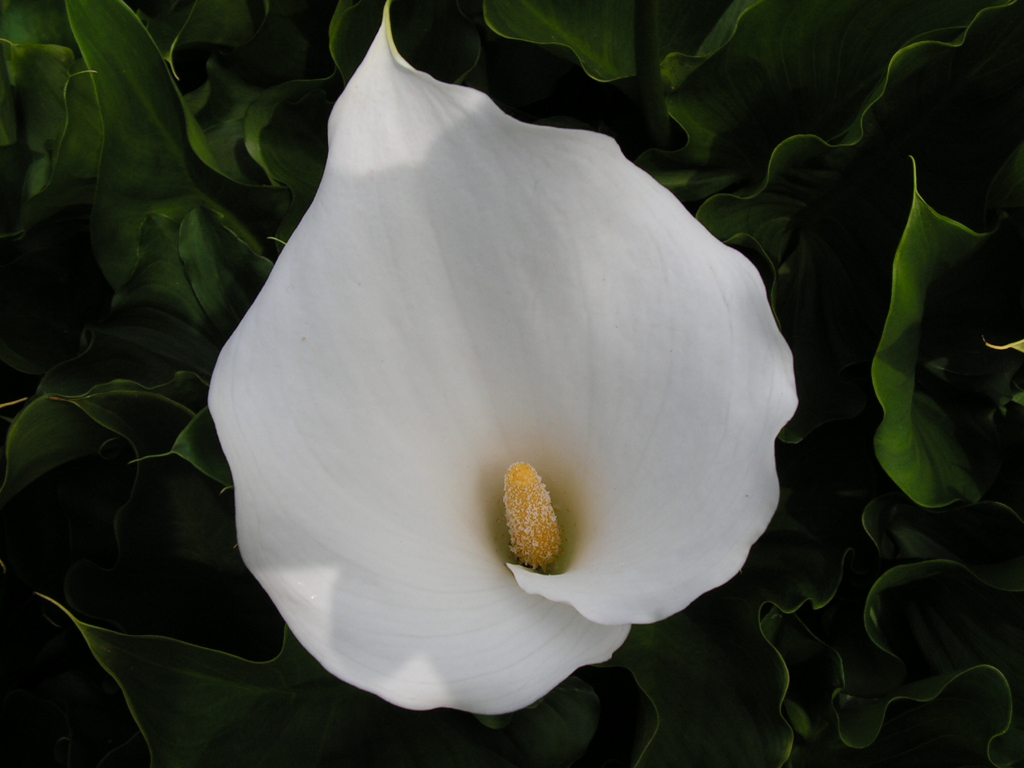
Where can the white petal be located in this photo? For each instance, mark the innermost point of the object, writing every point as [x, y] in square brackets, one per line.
[467, 291]
[676, 500]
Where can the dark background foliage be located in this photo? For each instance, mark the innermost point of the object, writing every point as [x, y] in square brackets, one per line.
[867, 155]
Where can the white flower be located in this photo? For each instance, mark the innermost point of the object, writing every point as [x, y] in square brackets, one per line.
[467, 292]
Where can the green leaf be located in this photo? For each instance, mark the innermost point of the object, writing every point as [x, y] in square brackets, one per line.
[960, 607]
[149, 421]
[946, 721]
[40, 72]
[46, 433]
[36, 21]
[695, 31]
[518, 73]
[553, 732]
[950, 713]
[825, 482]
[178, 571]
[936, 442]
[987, 537]
[949, 103]
[156, 329]
[223, 272]
[220, 106]
[831, 230]
[601, 35]
[436, 38]
[286, 133]
[50, 446]
[34, 77]
[49, 290]
[715, 682]
[57, 129]
[74, 161]
[155, 158]
[1007, 190]
[198, 445]
[207, 23]
[8, 120]
[31, 728]
[815, 675]
[198, 707]
[131, 754]
[290, 44]
[34, 114]
[831, 216]
[795, 67]
[941, 619]
[63, 709]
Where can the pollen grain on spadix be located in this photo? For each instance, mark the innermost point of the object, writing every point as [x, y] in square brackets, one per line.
[535, 538]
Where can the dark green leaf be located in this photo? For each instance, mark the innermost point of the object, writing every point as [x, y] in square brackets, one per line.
[178, 571]
[937, 442]
[826, 480]
[198, 707]
[709, 669]
[716, 683]
[831, 217]
[940, 619]
[39, 73]
[290, 44]
[47, 433]
[36, 21]
[946, 721]
[65, 709]
[792, 67]
[31, 728]
[33, 77]
[73, 164]
[518, 73]
[198, 445]
[48, 291]
[157, 327]
[815, 675]
[599, 33]
[8, 120]
[987, 537]
[220, 106]
[207, 23]
[1007, 190]
[834, 232]
[224, 273]
[50, 108]
[286, 133]
[132, 754]
[436, 38]
[155, 158]
[149, 421]
[553, 732]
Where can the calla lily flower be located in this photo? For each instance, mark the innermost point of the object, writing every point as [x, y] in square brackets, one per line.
[467, 293]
